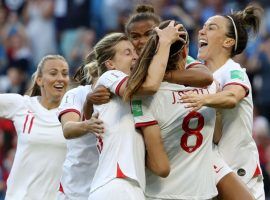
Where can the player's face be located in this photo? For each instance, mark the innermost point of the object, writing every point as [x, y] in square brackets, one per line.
[54, 79]
[140, 32]
[125, 57]
[212, 38]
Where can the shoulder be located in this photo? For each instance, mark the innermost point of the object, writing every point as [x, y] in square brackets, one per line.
[79, 90]
[111, 78]
[232, 65]
[113, 74]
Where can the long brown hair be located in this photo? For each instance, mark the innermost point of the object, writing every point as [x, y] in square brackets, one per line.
[239, 24]
[94, 64]
[139, 72]
[34, 89]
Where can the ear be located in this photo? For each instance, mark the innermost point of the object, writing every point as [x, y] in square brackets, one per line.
[109, 64]
[39, 82]
[228, 42]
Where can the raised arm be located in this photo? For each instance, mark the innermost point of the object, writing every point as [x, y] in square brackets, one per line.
[196, 76]
[158, 64]
[153, 67]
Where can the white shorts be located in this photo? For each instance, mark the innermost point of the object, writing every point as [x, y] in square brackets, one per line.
[118, 189]
[71, 196]
[220, 167]
[256, 187]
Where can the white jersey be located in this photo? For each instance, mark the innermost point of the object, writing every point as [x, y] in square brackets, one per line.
[122, 152]
[187, 138]
[41, 148]
[236, 145]
[82, 155]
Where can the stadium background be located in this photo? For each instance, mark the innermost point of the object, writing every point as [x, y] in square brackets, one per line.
[30, 29]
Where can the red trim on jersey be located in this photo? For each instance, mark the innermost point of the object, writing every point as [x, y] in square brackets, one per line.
[31, 124]
[61, 188]
[257, 171]
[236, 83]
[142, 124]
[119, 85]
[24, 125]
[66, 111]
[119, 173]
[192, 64]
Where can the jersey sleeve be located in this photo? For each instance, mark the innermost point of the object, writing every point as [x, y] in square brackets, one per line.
[142, 111]
[112, 79]
[236, 76]
[10, 104]
[191, 62]
[71, 102]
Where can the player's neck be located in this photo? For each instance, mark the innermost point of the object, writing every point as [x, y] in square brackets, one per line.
[48, 104]
[215, 63]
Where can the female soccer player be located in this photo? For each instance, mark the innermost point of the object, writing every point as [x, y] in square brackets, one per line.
[82, 155]
[120, 173]
[187, 136]
[41, 147]
[221, 38]
[139, 28]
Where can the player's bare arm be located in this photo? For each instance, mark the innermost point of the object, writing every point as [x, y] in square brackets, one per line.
[158, 64]
[100, 95]
[156, 157]
[197, 76]
[73, 127]
[227, 98]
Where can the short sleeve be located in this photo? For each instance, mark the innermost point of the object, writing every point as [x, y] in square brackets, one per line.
[10, 104]
[112, 79]
[191, 62]
[71, 102]
[142, 111]
[236, 76]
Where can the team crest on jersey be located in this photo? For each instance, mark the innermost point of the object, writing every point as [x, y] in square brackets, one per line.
[136, 106]
[237, 74]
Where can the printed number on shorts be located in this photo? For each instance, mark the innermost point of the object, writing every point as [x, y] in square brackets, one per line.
[192, 132]
[28, 123]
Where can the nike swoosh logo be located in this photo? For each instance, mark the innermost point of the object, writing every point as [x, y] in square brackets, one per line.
[218, 170]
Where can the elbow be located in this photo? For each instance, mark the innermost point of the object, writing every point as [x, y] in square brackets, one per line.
[208, 80]
[150, 89]
[163, 171]
[232, 102]
[67, 135]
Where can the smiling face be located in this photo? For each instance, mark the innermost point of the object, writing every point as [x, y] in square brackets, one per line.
[213, 40]
[140, 32]
[125, 57]
[53, 80]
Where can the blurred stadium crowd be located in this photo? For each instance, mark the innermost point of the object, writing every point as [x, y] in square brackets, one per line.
[30, 29]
